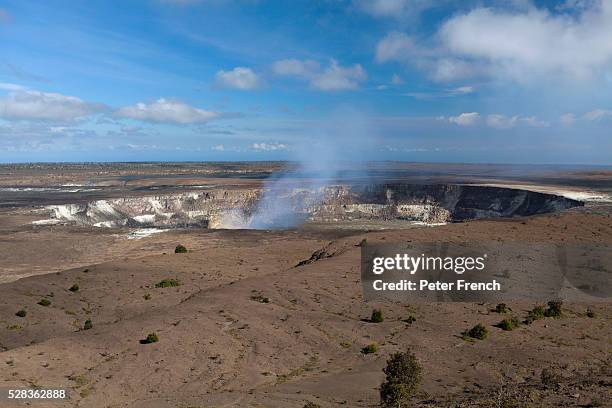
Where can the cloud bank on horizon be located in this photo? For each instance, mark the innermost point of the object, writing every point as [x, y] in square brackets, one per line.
[515, 82]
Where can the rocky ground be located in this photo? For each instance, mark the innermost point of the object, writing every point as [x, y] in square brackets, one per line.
[277, 319]
[247, 327]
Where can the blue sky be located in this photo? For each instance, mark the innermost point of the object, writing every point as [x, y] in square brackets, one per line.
[415, 80]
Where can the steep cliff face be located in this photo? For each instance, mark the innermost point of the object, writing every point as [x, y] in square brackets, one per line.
[435, 203]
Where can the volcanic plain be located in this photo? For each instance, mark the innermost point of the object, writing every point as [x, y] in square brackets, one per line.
[276, 317]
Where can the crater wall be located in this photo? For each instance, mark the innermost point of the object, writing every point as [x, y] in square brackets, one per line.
[216, 208]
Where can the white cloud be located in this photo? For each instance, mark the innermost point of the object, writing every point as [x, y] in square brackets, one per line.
[295, 67]
[533, 121]
[268, 147]
[519, 43]
[598, 114]
[166, 111]
[238, 78]
[465, 119]
[218, 148]
[395, 46]
[11, 87]
[35, 105]
[567, 119]
[533, 41]
[462, 90]
[444, 93]
[337, 78]
[333, 78]
[498, 121]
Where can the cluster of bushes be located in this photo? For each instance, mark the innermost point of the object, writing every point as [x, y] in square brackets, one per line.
[539, 312]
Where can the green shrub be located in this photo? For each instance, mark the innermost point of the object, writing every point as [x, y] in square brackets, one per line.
[509, 324]
[591, 313]
[536, 313]
[167, 283]
[180, 249]
[88, 325]
[478, 332]
[151, 338]
[85, 270]
[370, 348]
[501, 308]
[377, 316]
[147, 296]
[554, 308]
[21, 313]
[310, 404]
[403, 375]
[74, 288]
[44, 302]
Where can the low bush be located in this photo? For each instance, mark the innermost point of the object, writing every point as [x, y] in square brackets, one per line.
[508, 324]
[377, 316]
[369, 349]
[44, 302]
[554, 309]
[501, 308]
[74, 288]
[151, 338]
[167, 283]
[88, 325]
[403, 375]
[21, 313]
[310, 404]
[180, 249]
[536, 313]
[591, 313]
[478, 332]
[147, 296]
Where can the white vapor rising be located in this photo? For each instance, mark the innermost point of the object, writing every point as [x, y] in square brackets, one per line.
[344, 139]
